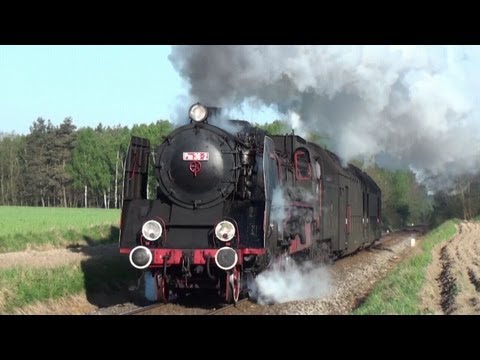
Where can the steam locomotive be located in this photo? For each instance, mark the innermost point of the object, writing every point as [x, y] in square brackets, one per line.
[230, 203]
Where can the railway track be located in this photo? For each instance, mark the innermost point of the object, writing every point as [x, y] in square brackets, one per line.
[200, 306]
[144, 310]
[156, 309]
[226, 307]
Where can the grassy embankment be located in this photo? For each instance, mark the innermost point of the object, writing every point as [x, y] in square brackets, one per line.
[40, 228]
[20, 286]
[398, 292]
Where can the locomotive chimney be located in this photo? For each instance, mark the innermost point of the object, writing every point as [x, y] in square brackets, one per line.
[214, 111]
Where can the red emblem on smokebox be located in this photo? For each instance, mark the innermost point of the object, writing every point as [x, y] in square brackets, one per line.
[195, 167]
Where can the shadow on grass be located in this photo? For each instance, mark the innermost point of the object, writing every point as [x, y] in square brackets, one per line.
[108, 275]
[111, 238]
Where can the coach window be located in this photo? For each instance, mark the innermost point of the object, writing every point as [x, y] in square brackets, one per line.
[303, 170]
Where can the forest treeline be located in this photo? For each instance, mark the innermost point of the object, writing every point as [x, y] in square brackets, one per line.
[83, 167]
[65, 166]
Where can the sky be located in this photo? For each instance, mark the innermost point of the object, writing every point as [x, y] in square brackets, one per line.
[113, 85]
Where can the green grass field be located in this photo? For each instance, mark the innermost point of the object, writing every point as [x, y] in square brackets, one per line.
[399, 292]
[35, 227]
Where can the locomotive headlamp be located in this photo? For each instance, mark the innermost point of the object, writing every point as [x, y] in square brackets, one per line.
[225, 231]
[152, 230]
[140, 257]
[198, 112]
[226, 258]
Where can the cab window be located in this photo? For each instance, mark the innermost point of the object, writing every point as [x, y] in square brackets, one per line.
[303, 170]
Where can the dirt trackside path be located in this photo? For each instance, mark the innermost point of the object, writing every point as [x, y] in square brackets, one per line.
[453, 278]
[56, 257]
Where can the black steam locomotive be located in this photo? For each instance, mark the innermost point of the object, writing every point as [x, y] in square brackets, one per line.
[229, 203]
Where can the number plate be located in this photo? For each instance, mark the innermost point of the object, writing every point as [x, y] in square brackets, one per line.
[195, 156]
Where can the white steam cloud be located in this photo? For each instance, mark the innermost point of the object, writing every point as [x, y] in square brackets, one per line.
[403, 106]
[288, 281]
